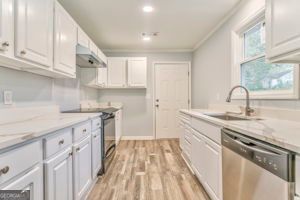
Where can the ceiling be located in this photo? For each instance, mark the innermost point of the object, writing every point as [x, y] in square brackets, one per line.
[119, 24]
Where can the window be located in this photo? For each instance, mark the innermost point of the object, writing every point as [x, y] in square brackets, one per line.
[250, 68]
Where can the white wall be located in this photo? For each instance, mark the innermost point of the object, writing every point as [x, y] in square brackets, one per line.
[31, 90]
[211, 65]
[138, 103]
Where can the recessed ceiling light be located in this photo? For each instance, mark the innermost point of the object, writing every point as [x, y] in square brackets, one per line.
[146, 38]
[148, 9]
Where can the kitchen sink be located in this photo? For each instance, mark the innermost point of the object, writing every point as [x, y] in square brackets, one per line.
[227, 117]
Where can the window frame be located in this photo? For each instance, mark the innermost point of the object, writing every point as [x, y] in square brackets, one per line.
[237, 46]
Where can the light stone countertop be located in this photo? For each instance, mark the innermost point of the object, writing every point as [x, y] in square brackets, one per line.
[282, 133]
[22, 130]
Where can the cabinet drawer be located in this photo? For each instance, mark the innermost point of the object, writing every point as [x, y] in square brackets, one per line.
[209, 130]
[82, 130]
[188, 133]
[185, 118]
[96, 123]
[57, 142]
[19, 160]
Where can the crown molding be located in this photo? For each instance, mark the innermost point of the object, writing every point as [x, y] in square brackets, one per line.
[218, 26]
[147, 50]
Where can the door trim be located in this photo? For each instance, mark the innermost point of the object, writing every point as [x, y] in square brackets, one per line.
[154, 88]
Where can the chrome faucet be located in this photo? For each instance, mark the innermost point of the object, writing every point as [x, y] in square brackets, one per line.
[248, 110]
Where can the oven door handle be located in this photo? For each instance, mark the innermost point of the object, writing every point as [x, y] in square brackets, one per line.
[110, 149]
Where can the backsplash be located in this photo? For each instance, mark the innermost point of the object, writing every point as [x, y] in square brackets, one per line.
[34, 90]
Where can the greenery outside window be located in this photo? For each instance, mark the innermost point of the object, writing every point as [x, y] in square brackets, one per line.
[250, 68]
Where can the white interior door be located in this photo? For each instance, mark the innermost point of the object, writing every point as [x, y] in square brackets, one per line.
[171, 94]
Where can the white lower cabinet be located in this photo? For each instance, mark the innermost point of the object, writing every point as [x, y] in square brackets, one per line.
[82, 167]
[118, 126]
[31, 180]
[58, 176]
[206, 162]
[96, 152]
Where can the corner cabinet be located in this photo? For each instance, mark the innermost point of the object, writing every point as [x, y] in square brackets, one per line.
[137, 72]
[283, 31]
[65, 31]
[6, 28]
[116, 72]
[34, 31]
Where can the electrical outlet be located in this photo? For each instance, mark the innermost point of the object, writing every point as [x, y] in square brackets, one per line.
[8, 97]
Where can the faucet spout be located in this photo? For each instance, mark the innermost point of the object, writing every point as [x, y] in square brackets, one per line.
[248, 110]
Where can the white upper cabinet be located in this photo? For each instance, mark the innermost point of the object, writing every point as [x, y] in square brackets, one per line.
[137, 72]
[34, 31]
[102, 77]
[283, 31]
[82, 38]
[6, 27]
[65, 41]
[116, 72]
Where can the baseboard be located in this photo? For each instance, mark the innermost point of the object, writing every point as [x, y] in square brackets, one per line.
[137, 137]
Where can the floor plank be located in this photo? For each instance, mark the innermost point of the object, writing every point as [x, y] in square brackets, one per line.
[148, 170]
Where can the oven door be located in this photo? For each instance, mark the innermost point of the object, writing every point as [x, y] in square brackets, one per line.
[109, 134]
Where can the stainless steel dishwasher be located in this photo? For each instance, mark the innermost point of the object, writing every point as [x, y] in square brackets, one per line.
[254, 170]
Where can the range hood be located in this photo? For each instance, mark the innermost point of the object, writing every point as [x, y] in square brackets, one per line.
[85, 58]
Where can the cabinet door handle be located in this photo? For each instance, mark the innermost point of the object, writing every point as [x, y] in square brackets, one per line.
[84, 131]
[23, 52]
[61, 142]
[70, 154]
[98, 124]
[95, 136]
[5, 44]
[4, 170]
[78, 149]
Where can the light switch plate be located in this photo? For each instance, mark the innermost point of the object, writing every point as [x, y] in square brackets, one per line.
[8, 97]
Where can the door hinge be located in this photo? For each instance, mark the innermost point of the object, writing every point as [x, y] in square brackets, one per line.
[188, 73]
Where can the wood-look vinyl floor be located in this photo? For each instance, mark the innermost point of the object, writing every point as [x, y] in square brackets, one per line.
[148, 170]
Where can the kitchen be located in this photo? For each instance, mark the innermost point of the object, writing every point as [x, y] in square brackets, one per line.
[150, 99]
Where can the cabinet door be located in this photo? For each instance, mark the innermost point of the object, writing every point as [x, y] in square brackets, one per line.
[82, 38]
[118, 125]
[65, 41]
[102, 77]
[198, 156]
[32, 180]
[116, 72]
[58, 173]
[96, 152]
[213, 169]
[283, 30]
[6, 27]
[137, 72]
[34, 31]
[82, 174]
[102, 56]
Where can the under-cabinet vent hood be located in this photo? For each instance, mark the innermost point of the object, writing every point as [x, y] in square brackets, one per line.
[85, 58]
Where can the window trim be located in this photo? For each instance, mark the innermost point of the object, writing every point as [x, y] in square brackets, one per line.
[237, 53]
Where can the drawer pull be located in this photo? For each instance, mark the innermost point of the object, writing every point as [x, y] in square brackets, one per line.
[78, 149]
[61, 142]
[98, 124]
[95, 136]
[84, 130]
[4, 170]
[70, 154]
